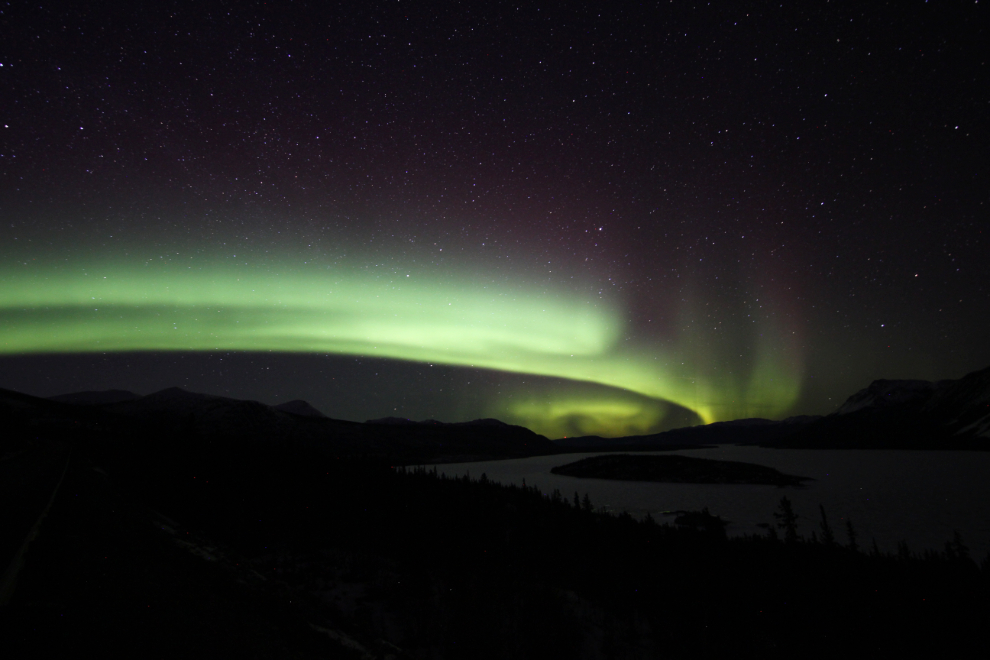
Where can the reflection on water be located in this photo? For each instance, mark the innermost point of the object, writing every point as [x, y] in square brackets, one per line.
[920, 497]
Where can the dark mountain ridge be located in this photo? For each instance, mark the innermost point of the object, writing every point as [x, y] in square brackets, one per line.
[893, 414]
[95, 397]
[299, 407]
[887, 414]
[906, 414]
[178, 412]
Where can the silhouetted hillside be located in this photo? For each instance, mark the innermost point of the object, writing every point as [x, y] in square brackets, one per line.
[95, 398]
[182, 413]
[899, 414]
[950, 414]
[169, 545]
[182, 524]
[888, 414]
[299, 407]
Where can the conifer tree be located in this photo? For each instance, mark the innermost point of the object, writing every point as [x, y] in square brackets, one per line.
[903, 552]
[851, 533]
[959, 550]
[787, 520]
[828, 537]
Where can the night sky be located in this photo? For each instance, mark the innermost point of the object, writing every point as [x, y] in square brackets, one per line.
[580, 218]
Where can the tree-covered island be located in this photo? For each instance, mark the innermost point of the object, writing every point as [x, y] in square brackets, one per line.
[676, 469]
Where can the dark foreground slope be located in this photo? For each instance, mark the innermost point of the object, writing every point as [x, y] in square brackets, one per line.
[162, 544]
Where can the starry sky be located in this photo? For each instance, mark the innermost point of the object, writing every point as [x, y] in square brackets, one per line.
[580, 218]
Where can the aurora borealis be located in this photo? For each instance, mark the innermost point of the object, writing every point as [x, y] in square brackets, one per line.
[502, 328]
[607, 221]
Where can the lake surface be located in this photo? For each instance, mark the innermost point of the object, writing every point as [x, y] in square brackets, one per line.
[917, 496]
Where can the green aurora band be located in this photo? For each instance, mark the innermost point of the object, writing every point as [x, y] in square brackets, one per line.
[416, 317]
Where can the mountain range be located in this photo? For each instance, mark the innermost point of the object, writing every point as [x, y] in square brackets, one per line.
[890, 414]
[906, 414]
[176, 412]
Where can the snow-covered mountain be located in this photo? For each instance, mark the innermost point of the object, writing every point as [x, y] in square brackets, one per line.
[948, 414]
[883, 393]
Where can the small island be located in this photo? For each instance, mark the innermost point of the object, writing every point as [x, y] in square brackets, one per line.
[676, 469]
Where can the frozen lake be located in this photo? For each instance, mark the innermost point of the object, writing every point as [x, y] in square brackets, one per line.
[917, 496]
